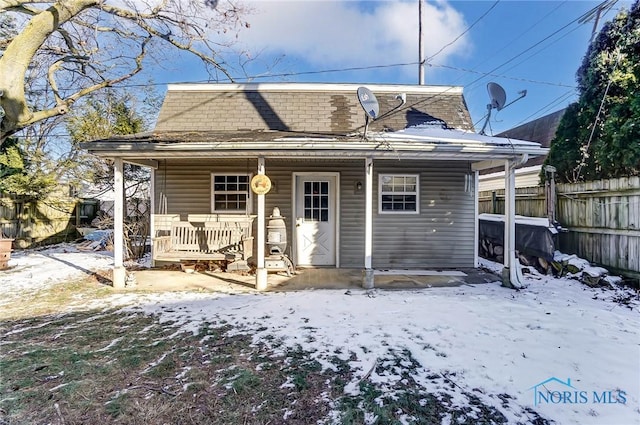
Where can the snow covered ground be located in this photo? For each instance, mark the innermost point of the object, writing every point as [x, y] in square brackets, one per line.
[33, 270]
[579, 343]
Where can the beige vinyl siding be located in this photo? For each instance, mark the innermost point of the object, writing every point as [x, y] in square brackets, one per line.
[440, 236]
[525, 177]
[186, 184]
[352, 204]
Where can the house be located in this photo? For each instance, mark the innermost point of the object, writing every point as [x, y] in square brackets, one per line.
[541, 130]
[403, 195]
[98, 198]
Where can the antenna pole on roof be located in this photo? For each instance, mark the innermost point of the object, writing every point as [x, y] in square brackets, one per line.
[420, 46]
[366, 127]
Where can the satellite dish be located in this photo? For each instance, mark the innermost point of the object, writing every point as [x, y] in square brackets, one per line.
[368, 102]
[497, 95]
[498, 99]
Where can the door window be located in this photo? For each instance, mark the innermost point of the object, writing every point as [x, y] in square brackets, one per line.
[316, 201]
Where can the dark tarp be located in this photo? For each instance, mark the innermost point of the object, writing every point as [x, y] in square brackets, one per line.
[538, 241]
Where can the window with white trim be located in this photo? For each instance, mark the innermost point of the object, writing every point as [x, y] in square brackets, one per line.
[230, 193]
[398, 193]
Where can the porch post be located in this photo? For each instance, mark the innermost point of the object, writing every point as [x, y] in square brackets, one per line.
[476, 222]
[261, 271]
[152, 212]
[368, 278]
[119, 272]
[511, 273]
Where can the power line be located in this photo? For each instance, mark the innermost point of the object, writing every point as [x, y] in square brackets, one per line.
[484, 74]
[328, 71]
[388, 66]
[513, 40]
[526, 50]
[348, 69]
[255, 77]
[564, 96]
[542, 49]
[585, 152]
[371, 67]
[464, 32]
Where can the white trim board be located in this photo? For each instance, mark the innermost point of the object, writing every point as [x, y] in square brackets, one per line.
[321, 87]
[398, 272]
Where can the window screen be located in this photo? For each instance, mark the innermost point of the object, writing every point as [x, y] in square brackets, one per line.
[230, 193]
[398, 193]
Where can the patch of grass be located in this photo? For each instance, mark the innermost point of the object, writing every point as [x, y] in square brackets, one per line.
[163, 369]
[402, 400]
[117, 406]
[75, 359]
[130, 359]
[50, 300]
[106, 367]
[244, 381]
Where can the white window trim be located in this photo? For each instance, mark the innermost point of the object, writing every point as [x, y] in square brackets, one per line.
[380, 193]
[249, 208]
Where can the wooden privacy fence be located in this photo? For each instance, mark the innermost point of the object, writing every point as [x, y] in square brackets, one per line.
[32, 222]
[602, 218]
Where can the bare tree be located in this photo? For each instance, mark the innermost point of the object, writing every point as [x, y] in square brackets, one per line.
[63, 50]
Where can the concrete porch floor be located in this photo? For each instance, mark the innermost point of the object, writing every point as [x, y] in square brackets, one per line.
[309, 278]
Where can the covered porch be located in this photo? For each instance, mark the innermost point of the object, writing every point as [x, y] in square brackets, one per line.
[367, 159]
[251, 246]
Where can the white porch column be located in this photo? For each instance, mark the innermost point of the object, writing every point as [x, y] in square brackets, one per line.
[152, 212]
[511, 275]
[368, 278]
[261, 271]
[476, 225]
[119, 272]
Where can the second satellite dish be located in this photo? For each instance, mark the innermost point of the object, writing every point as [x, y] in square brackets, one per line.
[498, 101]
[368, 102]
[497, 95]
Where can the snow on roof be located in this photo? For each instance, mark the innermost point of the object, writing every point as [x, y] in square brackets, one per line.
[436, 132]
[520, 219]
[500, 174]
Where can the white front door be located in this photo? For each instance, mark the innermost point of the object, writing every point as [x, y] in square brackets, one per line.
[316, 219]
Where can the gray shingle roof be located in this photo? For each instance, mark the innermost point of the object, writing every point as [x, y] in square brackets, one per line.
[541, 130]
[303, 108]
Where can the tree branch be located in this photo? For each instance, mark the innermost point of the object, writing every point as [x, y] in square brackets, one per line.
[48, 53]
[19, 54]
[64, 104]
[52, 82]
[27, 10]
[126, 14]
[13, 4]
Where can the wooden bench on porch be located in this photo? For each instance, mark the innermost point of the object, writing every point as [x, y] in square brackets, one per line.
[200, 239]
